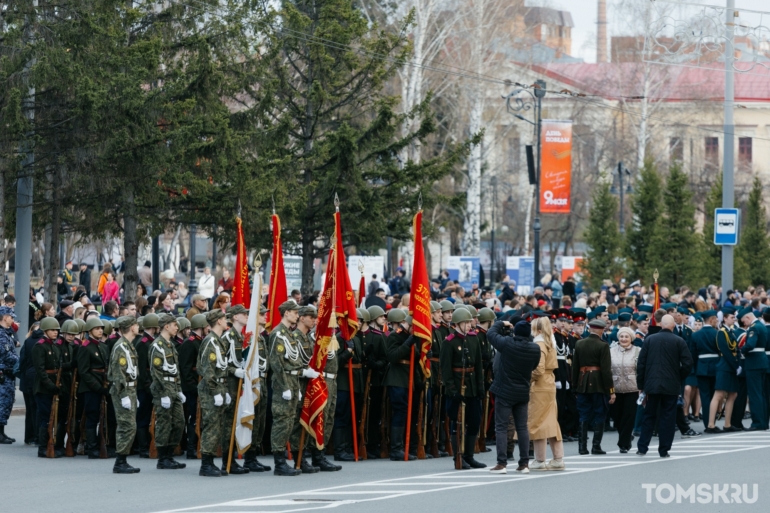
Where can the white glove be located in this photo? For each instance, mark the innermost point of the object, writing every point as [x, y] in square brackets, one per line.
[239, 373]
[310, 373]
[137, 403]
[219, 400]
[567, 383]
[738, 372]
[286, 395]
[126, 403]
[165, 402]
[228, 399]
[299, 394]
[558, 385]
[181, 397]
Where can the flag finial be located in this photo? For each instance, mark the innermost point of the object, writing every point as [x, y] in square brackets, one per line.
[272, 198]
[258, 262]
[655, 275]
[361, 266]
[336, 202]
[239, 208]
[419, 201]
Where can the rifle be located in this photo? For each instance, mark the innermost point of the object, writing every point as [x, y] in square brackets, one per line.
[434, 427]
[421, 426]
[153, 448]
[53, 420]
[362, 426]
[353, 409]
[385, 442]
[69, 450]
[461, 422]
[409, 406]
[484, 424]
[103, 426]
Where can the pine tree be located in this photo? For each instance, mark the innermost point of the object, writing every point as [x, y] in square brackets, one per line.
[646, 208]
[754, 246]
[712, 254]
[677, 249]
[602, 238]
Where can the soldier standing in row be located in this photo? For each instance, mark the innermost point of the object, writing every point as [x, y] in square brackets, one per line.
[286, 366]
[188, 373]
[377, 365]
[167, 393]
[353, 356]
[330, 374]
[705, 356]
[93, 359]
[260, 409]
[122, 374]
[436, 410]
[212, 391]
[308, 316]
[756, 366]
[233, 343]
[148, 323]
[564, 400]
[47, 362]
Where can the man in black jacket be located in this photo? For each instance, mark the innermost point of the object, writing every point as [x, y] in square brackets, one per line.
[663, 363]
[516, 358]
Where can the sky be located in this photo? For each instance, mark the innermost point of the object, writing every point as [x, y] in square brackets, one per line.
[584, 14]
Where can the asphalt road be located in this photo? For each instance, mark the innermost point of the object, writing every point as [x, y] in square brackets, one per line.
[698, 467]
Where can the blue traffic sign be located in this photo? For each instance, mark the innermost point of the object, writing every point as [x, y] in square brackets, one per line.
[726, 226]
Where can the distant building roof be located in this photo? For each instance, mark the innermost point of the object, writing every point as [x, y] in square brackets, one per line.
[547, 16]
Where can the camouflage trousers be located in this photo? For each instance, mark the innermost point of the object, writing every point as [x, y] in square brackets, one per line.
[284, 417]
[125, 429]
[213, 422]
[169, 424]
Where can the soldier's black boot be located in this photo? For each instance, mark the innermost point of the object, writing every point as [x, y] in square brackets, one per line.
[59, 445]
[166, 460]
[192, 442]
[42, 437]
[304, 466]
[470, 446]
[235, 469]
[596, 447]
[442, 443]
[341, 446]
[122, 467]
[397, 444]
[208, 469]
[252, 463]
[583, 438]
[320, 461]
[143, 442]
[92, 446]
[281, 468]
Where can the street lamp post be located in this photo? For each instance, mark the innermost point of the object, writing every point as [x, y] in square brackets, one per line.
[537, 92]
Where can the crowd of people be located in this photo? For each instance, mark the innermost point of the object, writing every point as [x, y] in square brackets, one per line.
[154, 378]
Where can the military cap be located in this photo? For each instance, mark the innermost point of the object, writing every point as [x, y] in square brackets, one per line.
[705, 314]
[183, 323]
[287, 306]
[447, 306]
[396, 315]
[435, 306]
[667, 306]
[375, 312]
[461, 315]
[646, 309]
[486, 315]
[727, 310]
[363, 314]
[94, 322]
[600, 309]
[235, 310]
[563, 314]
[553, 314]
[263, 309]
[613, 317]
[685, 311]
[742, 312]
[578, 314]
[624, 317]
[151, 321]
[308, 311]
[50, 323]
[697, 317]
[198, 321]
[626, 310]
[125, 322]
[591, 315]
[69, 327]
[597, 323]
[213, 316]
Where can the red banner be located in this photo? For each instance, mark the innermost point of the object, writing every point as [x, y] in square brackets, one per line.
[241, 291]
[555, 166]
[336, 309]
[419, 303]
[278, 293]
[361, 292]
[655, 302]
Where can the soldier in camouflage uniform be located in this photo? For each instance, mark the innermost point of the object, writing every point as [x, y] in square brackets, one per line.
[122, 374]
[167, 393]
[212, 392]
[285, 363]
[188, 361]
[233, 344]
[260, 409]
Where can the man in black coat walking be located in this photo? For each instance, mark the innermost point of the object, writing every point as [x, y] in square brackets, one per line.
[516, 358]
[663, 364]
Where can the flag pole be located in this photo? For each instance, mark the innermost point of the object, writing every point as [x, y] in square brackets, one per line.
[411, 386]
[352, 389]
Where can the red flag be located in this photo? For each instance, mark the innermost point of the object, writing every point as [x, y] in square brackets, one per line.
[241, 291]
[419, 303]
[361, 292]
[278, 293]
[336, 309]
[655, 302]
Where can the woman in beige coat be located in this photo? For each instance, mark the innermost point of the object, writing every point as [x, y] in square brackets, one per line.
[543, 423]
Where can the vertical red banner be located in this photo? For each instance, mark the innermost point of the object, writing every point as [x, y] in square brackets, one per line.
[555, 167]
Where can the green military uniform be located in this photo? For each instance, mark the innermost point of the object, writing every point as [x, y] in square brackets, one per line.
[233, 345]
[122, 374]
[332, 377]
[756, 367]
[167, 397]
[286, 365]
[304, 344]
[260, 409]
[212, 369]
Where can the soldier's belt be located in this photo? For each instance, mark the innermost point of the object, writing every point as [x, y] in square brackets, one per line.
[172, 380]
[54, 371]
[98, 370]
[294, 373]
[354, 366]
[755, 350]
[434, 360]
[131, 384]
[404, 362]
[708, 355]
[219, 380]
[467, 370]
[329, 375]
[590, 368]
[561, 358]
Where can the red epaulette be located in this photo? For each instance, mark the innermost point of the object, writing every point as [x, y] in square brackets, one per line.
[43, 340]
[450, 336]
[145, 339]
[85, 343]
[77, 342]
[472, 332]
[376, 331]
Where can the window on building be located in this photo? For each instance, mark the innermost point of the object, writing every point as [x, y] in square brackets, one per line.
[676, 150]
[744, 151]
[712, 151]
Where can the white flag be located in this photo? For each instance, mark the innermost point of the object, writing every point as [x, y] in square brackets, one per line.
[251, 391]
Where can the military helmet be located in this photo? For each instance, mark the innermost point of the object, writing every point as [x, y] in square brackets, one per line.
[363, 314]
[150, 321]
[69, 326]
[374, 312]
[461, 315]
[447, 306]
[183, 323]
[49, 323]
[198, 321]
[472, 310]
[107, 328]
[140, 322]
[396, 315]
[81, 325]
[94, 322]
[486, 315]
[435, 306]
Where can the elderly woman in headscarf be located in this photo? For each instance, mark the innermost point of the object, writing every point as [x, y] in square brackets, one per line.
[624, 355]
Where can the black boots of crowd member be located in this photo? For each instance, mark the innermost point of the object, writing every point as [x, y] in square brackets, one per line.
[442, 443]
[192, 442]
[235, 469]
[470, 446]
[597, 440]
[281, 467]
[583, 438]
[304, 466]
[397, 444]
[166, 460]
[320, 461]
[252, 463]
[42, 436]
[5, 439]
[342, 446]
[143, 442]
[92, 444]
[208, 469]
[122, 467]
